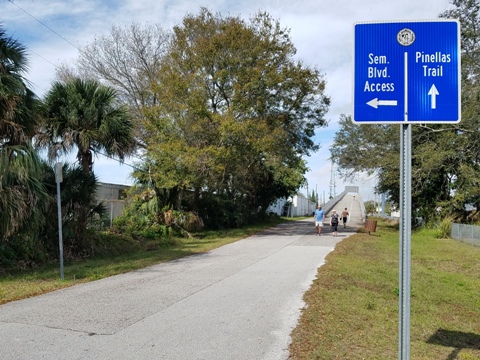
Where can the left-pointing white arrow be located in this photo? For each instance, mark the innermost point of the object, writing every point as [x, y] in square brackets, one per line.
[376, 103]
[433, 93]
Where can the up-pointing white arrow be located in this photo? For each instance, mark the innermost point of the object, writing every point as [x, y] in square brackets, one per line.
[376, 103]
[433, 93]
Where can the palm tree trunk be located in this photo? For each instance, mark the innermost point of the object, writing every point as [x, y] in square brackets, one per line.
[85, 159]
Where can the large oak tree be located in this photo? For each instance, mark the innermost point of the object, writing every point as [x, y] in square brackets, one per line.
[236, 112]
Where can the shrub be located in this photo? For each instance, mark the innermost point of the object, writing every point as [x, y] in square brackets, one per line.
[444, 228]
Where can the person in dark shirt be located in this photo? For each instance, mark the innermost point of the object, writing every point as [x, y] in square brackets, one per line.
[334, 218]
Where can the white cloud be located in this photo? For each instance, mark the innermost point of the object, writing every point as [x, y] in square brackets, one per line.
[322, 31]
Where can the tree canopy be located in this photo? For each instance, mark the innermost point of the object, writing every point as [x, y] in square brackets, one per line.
[86, 115]
[236, 112]
[21, 191]
[126, 59]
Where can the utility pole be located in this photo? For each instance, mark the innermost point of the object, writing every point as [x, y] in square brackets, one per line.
[308, 201]
[332, 182]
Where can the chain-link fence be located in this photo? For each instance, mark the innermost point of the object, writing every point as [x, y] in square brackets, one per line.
[469, 234]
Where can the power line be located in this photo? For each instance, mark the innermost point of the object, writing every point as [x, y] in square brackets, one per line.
[42, 57]
[132, 166]
[45, 25]
[119, 161]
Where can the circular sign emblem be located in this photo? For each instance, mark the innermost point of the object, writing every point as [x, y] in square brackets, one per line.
[406, 37]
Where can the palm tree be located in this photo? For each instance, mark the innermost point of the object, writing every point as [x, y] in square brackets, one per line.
[76, 194]
[17, 101]
[21, 188]
[84, 114]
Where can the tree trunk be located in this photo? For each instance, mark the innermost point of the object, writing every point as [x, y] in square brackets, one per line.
[85, 159]
[196, 199]
[178, 199]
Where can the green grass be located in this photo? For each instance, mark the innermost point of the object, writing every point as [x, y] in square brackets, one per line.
[352, 306]
[24, 284]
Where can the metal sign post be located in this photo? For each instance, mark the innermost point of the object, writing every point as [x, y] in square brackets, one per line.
[405, 241]
[58, 180]
[406, 72]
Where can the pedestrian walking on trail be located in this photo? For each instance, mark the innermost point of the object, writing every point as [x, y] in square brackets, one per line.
[345, 217]
[334, 218]
[318, 218]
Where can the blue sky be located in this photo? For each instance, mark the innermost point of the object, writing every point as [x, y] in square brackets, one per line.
[322, 31]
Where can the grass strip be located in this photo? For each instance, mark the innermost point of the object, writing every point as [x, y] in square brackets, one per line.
[352, 307]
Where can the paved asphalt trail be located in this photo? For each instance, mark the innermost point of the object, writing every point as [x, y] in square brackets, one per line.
[237, 302]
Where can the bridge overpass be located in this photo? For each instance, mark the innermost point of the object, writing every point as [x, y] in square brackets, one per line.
[350, 199]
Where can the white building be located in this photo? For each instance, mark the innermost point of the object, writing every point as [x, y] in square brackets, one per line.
[297, 205]
[113, 197]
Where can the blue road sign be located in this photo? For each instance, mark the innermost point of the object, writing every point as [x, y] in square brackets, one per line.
[407, 72]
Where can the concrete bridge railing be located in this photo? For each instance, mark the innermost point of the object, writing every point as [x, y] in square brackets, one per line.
[331, 204]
